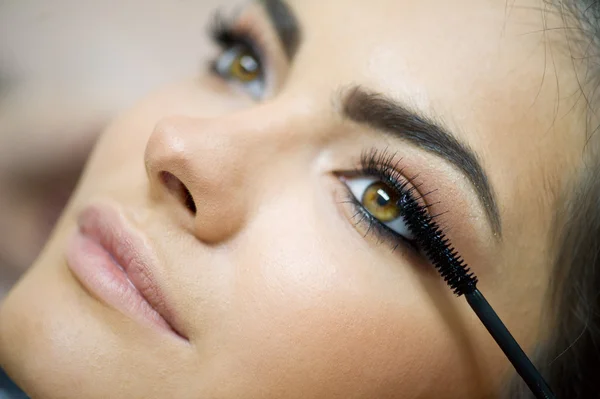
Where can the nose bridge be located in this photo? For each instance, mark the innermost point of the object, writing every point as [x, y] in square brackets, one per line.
[194, 148]
[217, 148]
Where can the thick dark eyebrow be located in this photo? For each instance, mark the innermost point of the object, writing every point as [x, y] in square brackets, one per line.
[394, 118]
[285, 23]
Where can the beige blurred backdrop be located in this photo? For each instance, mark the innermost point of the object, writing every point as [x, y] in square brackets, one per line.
[67, 67]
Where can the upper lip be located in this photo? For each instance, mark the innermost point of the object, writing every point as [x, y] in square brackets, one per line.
[132, 251]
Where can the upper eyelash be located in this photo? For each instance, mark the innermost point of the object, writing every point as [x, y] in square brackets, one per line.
[223, 30]
[383, 165]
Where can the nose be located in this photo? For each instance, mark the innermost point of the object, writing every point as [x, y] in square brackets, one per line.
[198, 165]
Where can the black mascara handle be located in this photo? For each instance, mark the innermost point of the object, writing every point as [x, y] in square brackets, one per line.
[509, 346]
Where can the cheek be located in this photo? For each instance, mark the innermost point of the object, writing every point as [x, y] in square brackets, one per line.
[302, 325]
[304, 314]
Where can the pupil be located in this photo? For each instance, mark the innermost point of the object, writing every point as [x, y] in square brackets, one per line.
[382, 198]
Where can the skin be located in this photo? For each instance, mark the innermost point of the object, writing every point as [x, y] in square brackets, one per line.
[61, 83]
[278, 293]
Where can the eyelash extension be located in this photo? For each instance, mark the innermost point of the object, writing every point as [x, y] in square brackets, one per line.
[383, 165]
[433, 243]
[224, 31]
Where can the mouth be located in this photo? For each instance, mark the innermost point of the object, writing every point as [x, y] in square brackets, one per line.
[116, 264]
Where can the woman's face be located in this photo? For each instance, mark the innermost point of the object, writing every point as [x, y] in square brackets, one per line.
[238, 205]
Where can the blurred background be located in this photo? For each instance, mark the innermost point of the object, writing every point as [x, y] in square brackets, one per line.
[68, 67]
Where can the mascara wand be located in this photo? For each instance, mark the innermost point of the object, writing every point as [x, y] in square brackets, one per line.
[462, 281]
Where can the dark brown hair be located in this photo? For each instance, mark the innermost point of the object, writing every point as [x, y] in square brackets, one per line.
[570, 359]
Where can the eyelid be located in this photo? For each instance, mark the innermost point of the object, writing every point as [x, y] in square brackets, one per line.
[395, 179]
[384, 166]
[441, 196]
[389, 168]
[252, 28]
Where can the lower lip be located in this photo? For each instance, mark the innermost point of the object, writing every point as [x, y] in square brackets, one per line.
[100, 274]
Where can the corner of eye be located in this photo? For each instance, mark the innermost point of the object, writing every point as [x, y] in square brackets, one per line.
[340, 175]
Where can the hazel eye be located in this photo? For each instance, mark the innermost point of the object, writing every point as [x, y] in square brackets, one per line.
[381, 201]
[245, 68]
[239, 64]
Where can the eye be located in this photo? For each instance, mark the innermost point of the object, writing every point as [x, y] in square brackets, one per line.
[381, 201]
[240, 64]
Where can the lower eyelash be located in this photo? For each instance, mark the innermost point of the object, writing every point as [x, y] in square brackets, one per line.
[375, 227]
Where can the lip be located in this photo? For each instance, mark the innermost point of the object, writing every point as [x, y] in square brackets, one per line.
[116, 264]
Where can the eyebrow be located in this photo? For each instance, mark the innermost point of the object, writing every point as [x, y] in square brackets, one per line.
[397, 119]
[285, 23]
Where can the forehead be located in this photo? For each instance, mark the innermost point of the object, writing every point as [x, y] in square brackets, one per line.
[449, 55]
[492, 70]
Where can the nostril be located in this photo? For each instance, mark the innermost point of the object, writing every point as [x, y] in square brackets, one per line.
[177, 188]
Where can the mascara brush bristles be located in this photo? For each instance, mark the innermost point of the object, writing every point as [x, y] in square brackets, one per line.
[454, 270]
[437, 247]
